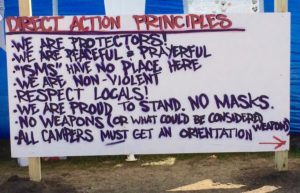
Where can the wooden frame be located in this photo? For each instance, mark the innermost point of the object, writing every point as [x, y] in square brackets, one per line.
[281, 157]
[35, 172]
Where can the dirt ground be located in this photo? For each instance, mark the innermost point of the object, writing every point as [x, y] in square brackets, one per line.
[203, 173]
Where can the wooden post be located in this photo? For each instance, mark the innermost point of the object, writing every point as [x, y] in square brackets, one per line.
[35, 172]
[281, 160]
[281, 5]
[281, 157]
[25, 8]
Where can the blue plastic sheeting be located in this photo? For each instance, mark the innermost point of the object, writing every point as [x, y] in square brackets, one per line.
[268, 6]
[294, 8]
[11, 8]
[96, 7]
[4, 119]
[41, 7]
[81, 7]
[164, 6]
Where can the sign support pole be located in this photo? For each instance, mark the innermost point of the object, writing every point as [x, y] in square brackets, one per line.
[34, 166]
[35, 171]
[281, 157]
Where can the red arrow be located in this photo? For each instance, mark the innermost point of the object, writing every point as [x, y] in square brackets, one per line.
[278, 144]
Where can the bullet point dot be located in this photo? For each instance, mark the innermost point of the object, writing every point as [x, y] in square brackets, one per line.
[15, 84]
[15, 111]
[14, 71]
[12, 46]
[16, 122]
[13, 59]
[15, 96]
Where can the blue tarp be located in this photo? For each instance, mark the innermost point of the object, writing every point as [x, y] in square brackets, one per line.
[96, 7]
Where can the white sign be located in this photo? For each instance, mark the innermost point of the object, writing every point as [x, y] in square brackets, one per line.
[148, 84]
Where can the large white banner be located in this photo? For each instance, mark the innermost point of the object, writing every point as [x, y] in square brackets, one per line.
[145, 84]
[224, 6]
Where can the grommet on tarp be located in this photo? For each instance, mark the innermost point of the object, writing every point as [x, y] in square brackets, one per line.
[130, 158]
